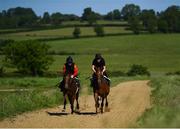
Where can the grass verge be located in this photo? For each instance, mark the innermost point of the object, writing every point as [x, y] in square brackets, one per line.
[165, 111]
[20, 102]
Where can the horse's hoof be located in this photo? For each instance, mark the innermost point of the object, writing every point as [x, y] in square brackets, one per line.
[107, 109]
[77, 111]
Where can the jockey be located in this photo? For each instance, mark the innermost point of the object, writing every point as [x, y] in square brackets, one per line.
[71, 68]
[99, 62]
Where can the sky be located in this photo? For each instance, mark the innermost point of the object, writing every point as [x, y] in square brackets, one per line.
[77, 6]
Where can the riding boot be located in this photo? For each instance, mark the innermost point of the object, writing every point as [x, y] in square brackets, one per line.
[107, 79]
[77, 82]
[61, 86]
[109, 82]
[91, 81]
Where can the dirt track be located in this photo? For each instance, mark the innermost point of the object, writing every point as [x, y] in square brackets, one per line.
[127, 102]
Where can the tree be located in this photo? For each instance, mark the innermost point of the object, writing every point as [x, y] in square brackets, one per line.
[113, 15]
[28, 56]
[90, 16]
[130, 10]
[134, 23]
[46, 18]
[152, 25]
[109, 16]
[56, 18]
[87, 12]
[172, 16]
[149, 20]
[99, 30]
[146, 15]
[116, 14]
[162, 26]
[22, 16]
[76, 32]
[17, 17]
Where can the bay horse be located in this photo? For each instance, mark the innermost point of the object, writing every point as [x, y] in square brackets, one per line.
[71, 89]
[101, 90]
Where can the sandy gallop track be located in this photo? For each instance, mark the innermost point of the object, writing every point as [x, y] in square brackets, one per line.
[127, 102]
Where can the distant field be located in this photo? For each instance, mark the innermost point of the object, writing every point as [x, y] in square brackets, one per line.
[67, 32]
[160, 53]
[99, 22]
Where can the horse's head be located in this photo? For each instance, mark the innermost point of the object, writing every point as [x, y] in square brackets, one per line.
[67, 80]
[99, 73]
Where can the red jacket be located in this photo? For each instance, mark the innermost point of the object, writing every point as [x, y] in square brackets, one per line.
[75, 72]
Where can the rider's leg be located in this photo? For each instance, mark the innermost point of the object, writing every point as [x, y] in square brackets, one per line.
[108, 80]
[61, 86]
[77, 81]
[94, 81]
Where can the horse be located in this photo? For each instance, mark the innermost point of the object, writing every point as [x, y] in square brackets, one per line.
[101, 90]
[71, 89]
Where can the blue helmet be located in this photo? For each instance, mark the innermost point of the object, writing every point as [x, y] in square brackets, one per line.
[69, 60]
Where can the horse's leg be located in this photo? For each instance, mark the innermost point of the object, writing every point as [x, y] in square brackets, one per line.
[106, 102]
[77, 103]
[71, 100]
[102, 104]
[64, 108]
[106, 105]
[96, 100]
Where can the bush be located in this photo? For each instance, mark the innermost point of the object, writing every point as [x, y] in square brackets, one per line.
[173, 73]
[76, 32]
[4, 43]
[28, 56]
[1, 71]
[138, 70]
[99, 30]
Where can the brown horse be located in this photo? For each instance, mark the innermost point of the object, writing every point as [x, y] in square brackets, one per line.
[101, 90]
[71, 89]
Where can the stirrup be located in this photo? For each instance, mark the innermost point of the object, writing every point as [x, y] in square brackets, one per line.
[107, 78]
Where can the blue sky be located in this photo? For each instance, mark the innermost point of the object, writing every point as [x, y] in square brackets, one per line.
[77, 6]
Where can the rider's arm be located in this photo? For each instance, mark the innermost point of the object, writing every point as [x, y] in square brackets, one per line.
[64, 69]
[104, 65]
[104, 69]
[93, 68]
[75, 70]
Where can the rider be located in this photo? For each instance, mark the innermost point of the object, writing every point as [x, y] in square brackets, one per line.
[71, 68]
[99, 62]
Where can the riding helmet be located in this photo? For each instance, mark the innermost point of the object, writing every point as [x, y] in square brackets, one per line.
[98, 56]
[69, 60]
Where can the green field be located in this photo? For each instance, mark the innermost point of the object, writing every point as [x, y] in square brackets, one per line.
[98, 22]
[60, 33]
[159, 53]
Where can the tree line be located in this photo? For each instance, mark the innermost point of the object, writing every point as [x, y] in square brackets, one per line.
[147, 19]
